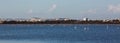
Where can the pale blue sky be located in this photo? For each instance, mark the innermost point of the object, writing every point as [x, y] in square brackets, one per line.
[94, 9]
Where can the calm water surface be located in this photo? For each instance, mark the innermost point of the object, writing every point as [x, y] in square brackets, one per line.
[62, 33]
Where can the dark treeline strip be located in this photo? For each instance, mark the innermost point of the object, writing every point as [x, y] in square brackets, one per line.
[61, 22]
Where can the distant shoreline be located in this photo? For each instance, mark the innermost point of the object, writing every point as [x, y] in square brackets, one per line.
[60, 21]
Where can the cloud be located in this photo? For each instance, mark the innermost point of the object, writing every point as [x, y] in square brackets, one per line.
[90, 11]
[114, 8]
[30, 11]
[52, 8]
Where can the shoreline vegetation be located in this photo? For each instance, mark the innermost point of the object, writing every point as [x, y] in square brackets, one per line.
[59, 21]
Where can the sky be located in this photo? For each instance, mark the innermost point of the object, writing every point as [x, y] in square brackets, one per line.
[77, 9]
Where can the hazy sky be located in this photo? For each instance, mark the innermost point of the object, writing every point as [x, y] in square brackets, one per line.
[94, 9]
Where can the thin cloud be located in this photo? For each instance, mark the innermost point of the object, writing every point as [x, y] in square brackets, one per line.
[52, 8]
[30, 11]
[90, 11]
[114, 8]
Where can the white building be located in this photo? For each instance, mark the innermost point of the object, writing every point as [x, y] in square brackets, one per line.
[85, 19]
[36, 19]
[106, 20]
[65, 19]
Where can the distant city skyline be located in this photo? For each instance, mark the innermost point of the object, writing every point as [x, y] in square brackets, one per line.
[76, 9]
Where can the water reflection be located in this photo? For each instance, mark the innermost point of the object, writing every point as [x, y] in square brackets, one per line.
[60, 33]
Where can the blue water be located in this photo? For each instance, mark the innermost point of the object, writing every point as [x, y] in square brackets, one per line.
[59, 33]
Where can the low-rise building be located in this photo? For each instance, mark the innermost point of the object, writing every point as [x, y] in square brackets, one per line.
[106, 20]
[85, 19]
[36, 19]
